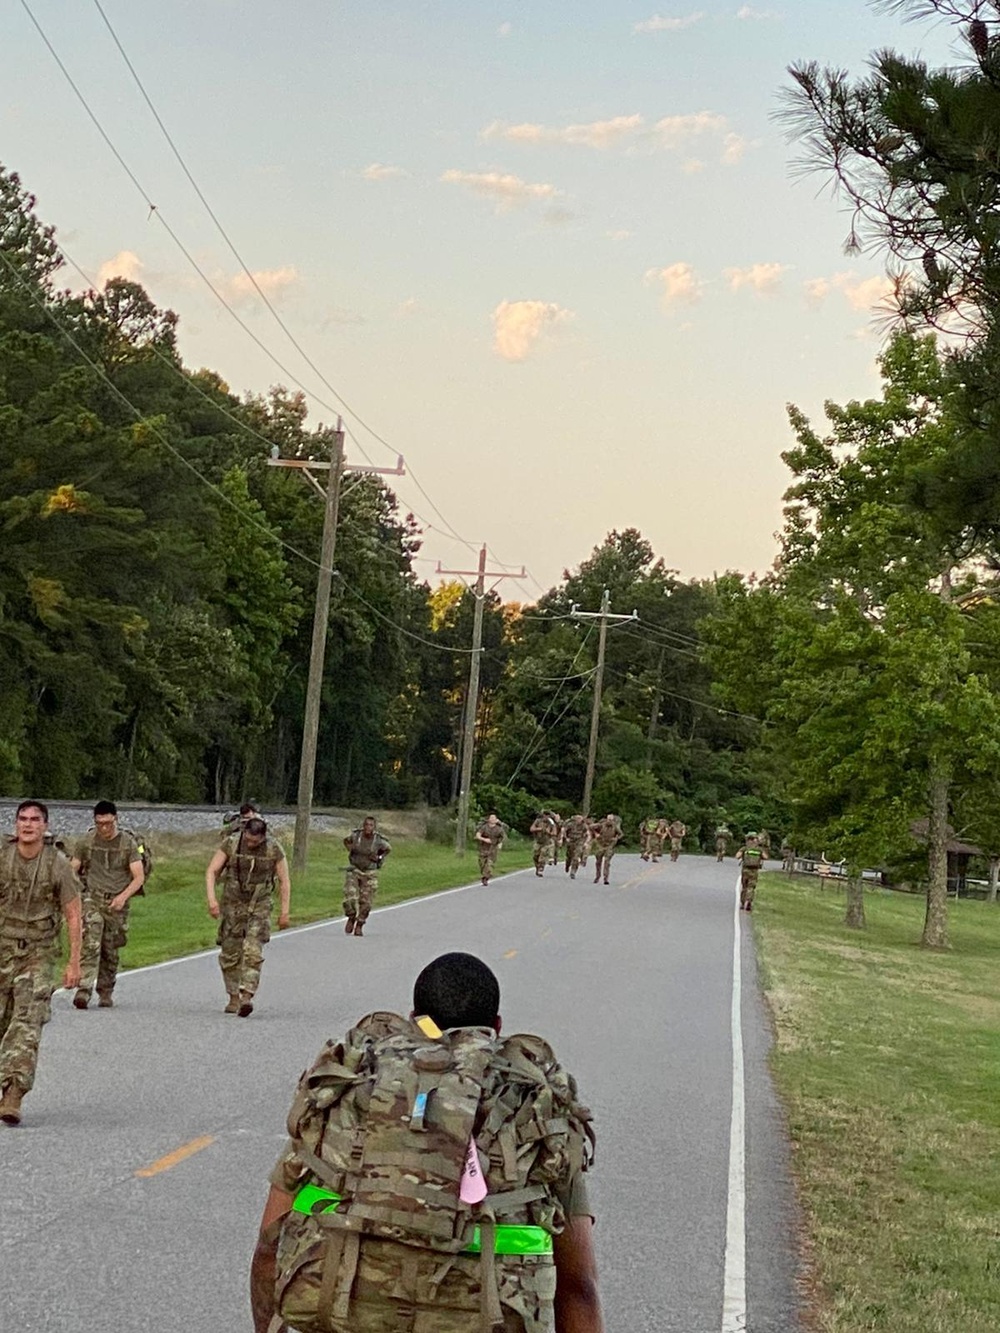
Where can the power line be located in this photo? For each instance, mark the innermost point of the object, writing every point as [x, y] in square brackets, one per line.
[537, 740]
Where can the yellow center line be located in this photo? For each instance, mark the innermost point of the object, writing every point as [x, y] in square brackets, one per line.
[178, 1155]
[511, 953]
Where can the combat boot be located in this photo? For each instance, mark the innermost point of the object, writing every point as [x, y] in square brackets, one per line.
[359, 927]
[105, 1001]
[233, 1006]
[81, 999]
[349, 923]
[10, 1105]
[245, 1006]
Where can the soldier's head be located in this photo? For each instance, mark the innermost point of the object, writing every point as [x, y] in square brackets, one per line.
[491, 818]
[31, 819]
[248, 810]
[458, 990]
[106, 819]
[752, 837]
[368, 825]
[254, 833]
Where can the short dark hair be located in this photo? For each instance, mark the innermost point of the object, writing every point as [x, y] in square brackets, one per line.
[457, 990]
[105, 808]
[248, 808]
[34, 805]
[255, 826]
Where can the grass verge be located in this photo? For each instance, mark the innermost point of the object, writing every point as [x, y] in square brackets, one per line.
[172, 920]
[888, 1060]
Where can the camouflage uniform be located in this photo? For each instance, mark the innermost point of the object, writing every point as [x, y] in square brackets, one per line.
[488, 852]
[361, 881]
[722, 836]
[105, 871]
[543, 830]
[647, 832]
[678, 832]
[32, 895]
[764, 842]
[577, 839]
[606, 836]
[657, 840]
[751, 858]
[245, 916]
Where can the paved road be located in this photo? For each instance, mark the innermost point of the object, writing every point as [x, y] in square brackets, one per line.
[631, 983]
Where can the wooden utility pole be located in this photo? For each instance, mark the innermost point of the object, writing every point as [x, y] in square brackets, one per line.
[321, 616]
[472, 693]
[604, 615]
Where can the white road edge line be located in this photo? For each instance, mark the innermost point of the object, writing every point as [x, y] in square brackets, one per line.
[313, 925]
[734, 1291]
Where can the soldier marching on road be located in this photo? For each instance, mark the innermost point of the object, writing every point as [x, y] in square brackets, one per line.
[543, 830]
[109, 863]
[252, 863]
[751, 858]
[722, 836]
[577, 839]
[38, 888]
[607, 834]
[490, 835]
[678, 832]
[367, 850]
[647, 832]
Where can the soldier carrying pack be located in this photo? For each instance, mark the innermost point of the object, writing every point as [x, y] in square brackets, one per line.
[433, 1173]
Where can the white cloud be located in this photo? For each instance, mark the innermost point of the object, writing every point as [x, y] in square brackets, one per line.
[859, 293]
[378, 172]
[242, 289]
[506, 191]
[517, 326]
[680, 284]
[505, 29]
[658, 24]
[764, 279]
[125, 265]
[670, 133]
[733, 148]
[748, 14]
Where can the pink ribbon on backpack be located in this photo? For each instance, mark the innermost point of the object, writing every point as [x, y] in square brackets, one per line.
[472, 1187]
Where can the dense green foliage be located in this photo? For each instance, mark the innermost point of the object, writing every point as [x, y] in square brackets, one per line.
[157, 589]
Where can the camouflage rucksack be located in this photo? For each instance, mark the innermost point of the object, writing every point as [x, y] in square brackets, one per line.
[385, 1122]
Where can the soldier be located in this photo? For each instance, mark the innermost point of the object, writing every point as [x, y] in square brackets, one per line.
[764, 841]
[647, 832]
[557, 840]
[607, 833]
[109, 863]
[543, 830]
[657, 840]
[577, 839]
[234, 824]
[367, 850]
[751, 858]
[787, 855]
[343, 1247]
[678, 832]
[252, 863]
[490, 835]
[37, 889]
[722, 836]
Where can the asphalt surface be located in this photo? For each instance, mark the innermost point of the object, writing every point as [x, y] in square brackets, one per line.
[631, 984]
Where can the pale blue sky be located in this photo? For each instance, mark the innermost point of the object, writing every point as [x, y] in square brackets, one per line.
[553, 253]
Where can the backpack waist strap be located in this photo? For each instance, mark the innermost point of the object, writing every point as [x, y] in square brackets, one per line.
[510, 1239]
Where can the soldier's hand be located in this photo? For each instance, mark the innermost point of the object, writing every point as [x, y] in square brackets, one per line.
[213, 910]
[71, 977]
[283, 921]
[118, 902]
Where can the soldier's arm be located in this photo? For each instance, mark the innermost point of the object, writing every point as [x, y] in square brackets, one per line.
[577, 1304]
[262, 1267]
[73, 913]
[132, 887]
[216, 864]
[284, 893]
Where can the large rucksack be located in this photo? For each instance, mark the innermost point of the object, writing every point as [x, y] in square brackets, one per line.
[385, 1122]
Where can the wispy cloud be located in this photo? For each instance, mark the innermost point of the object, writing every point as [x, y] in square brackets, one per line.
[747, 14]
[631, 133]
[126, 264]
[679, 284]
[273, 282]
[379, 172]
[506, 191]
[518, 325]
[859, 293]
[660, 24]
[764, 279]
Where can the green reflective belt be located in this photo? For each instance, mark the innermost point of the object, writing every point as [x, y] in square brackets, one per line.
[509, 1239]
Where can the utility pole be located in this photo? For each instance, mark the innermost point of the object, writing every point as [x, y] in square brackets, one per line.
[472, 694]
[336, 468]
[604, 615]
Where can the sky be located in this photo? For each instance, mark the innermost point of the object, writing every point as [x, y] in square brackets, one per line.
[555, 254]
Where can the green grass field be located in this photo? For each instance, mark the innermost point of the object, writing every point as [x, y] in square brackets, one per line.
[172, 919]
[888, 1060]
